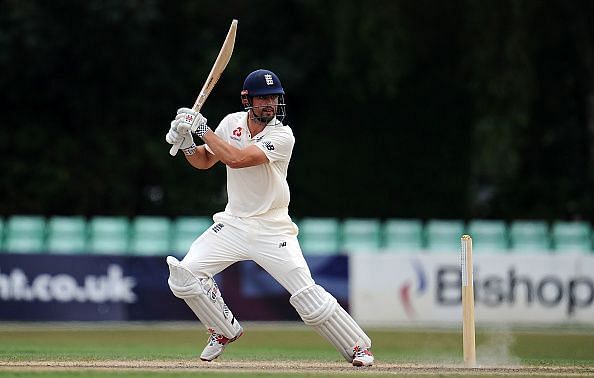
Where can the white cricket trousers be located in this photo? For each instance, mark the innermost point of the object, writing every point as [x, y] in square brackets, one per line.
[271, 242]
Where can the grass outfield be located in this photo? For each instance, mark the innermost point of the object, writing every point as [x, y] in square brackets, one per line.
[162, 350]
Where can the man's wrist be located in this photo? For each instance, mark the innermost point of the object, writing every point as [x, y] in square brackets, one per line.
[190, 150]
[201, 130]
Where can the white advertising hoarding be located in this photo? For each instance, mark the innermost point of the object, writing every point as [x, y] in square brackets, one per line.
[400, 289]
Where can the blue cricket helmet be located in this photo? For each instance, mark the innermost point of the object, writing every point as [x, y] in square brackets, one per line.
[263, 83]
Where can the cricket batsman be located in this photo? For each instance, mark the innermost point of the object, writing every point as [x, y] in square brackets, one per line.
[256, 148]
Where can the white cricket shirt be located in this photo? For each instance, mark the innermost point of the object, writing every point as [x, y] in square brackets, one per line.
[256, 190]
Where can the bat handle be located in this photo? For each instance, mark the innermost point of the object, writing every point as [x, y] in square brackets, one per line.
[197, 106]
[173, 149]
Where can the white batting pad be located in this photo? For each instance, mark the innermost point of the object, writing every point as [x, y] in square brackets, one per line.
[203, 297]
[319, 309]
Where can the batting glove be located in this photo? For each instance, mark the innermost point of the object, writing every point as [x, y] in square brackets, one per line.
[179, 135]
[195, 121]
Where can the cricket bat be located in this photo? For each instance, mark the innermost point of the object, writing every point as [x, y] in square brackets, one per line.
[215, 73]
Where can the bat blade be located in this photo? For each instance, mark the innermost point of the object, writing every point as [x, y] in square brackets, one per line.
[215, 73]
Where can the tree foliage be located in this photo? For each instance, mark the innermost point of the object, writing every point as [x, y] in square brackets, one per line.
[457, 109]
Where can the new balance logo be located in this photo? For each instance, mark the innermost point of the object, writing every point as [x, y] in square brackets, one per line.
[282, 244]
[217, 227]
[269, 146]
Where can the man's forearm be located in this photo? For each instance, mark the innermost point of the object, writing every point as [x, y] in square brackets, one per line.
[201, 159]
[222, 150]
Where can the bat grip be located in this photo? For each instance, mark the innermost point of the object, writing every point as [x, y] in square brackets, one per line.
[197, 106]
[173, 149]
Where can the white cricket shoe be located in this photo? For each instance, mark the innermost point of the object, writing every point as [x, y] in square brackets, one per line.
[362, 356]
[216, 345]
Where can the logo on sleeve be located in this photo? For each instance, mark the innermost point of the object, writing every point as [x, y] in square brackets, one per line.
[269, 146]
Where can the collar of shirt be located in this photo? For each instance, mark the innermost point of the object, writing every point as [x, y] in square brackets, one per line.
[272, 123]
